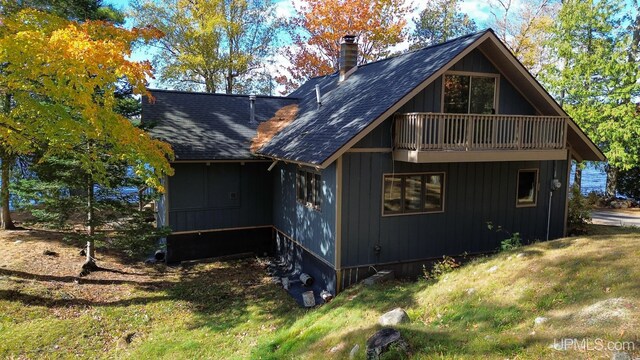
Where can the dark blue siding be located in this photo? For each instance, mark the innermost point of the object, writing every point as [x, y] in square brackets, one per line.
[510, 100]
[312, 229]
[219, 196]
[475, 61]
[475, 193]
[427, 100]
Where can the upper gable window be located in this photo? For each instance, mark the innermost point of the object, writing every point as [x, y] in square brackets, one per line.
[469, 94]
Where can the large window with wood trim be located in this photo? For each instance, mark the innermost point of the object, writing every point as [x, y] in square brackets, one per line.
[469, 94]
[527, 188]
[413, 193]
[309, 188]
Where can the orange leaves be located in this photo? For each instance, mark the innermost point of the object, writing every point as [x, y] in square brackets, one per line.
[320, 24]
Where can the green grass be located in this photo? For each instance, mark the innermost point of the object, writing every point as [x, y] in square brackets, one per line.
[227, 310]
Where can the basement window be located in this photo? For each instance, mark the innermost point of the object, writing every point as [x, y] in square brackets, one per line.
[309, 188]
[413, 193]
[527, 188]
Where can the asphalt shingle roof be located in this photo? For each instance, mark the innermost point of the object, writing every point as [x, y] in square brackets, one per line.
[350, 106]
[202, 126]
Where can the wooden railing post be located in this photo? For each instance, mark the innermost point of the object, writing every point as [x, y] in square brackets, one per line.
[419, 129]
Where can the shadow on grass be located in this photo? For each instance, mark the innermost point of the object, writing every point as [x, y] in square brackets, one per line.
[220, 296]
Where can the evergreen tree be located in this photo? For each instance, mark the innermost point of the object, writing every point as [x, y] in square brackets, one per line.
[440, 21]
[595, 77]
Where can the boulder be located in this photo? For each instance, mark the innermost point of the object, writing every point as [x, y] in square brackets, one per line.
[394, 317]
[384, 340]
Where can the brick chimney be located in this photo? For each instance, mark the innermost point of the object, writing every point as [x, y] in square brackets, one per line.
[348, 56]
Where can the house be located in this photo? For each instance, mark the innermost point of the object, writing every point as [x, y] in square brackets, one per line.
[390, 164]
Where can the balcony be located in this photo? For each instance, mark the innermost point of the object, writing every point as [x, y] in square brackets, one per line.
[432, 137]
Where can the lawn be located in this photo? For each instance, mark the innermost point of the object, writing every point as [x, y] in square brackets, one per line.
[585, 287]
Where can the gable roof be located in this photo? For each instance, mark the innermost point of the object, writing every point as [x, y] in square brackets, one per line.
[201, 126]
[348, 107]
[352, 108]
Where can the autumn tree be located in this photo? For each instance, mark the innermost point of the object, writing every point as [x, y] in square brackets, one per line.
[595, 77]
[440, 21]
[318, 26]
[78, 10]
[525, 27]
[209, 44]
[59, 79]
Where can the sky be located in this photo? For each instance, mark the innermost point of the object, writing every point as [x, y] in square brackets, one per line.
[476, 9]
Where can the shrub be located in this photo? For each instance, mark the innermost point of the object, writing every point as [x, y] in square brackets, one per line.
[579, 212]
[439, 268]
[511, 243]
[596, 199]
[629, 183]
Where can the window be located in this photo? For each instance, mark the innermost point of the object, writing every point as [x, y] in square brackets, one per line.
[413, 193]
[309, 188]
[467, 94]
[527, 187]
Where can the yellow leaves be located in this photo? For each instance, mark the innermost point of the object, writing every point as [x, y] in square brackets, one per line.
[62, 76]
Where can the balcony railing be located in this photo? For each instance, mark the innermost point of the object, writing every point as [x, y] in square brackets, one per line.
[472, 132]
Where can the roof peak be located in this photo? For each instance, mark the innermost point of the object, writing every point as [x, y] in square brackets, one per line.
[429, 47]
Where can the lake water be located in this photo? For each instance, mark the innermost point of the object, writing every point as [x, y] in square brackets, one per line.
[593, 179]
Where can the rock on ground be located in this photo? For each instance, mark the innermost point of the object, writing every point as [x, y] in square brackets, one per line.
[394, 317]
[605, 311]
[540, 320]
[383, 340]
[354, 351]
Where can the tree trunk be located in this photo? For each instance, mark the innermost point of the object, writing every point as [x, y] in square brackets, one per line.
[5, 217]
[90, 263]
[6, 223]
[229, 85]
[577, 177]
[612, 181]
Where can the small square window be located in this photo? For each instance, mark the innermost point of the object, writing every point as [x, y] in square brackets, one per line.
[527, 187]
[309, 188]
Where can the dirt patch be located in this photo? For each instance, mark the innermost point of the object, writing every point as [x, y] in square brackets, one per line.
[30, 276]
[270, 128]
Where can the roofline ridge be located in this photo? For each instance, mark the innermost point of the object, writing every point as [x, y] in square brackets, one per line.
[428, 47]
[219, 94]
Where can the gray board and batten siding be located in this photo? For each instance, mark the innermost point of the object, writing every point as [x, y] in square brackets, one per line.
[314, 230]
[220, 195]
[510, 101]
[474, 194]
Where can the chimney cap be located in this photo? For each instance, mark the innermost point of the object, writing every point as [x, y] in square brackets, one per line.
[349, 39]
